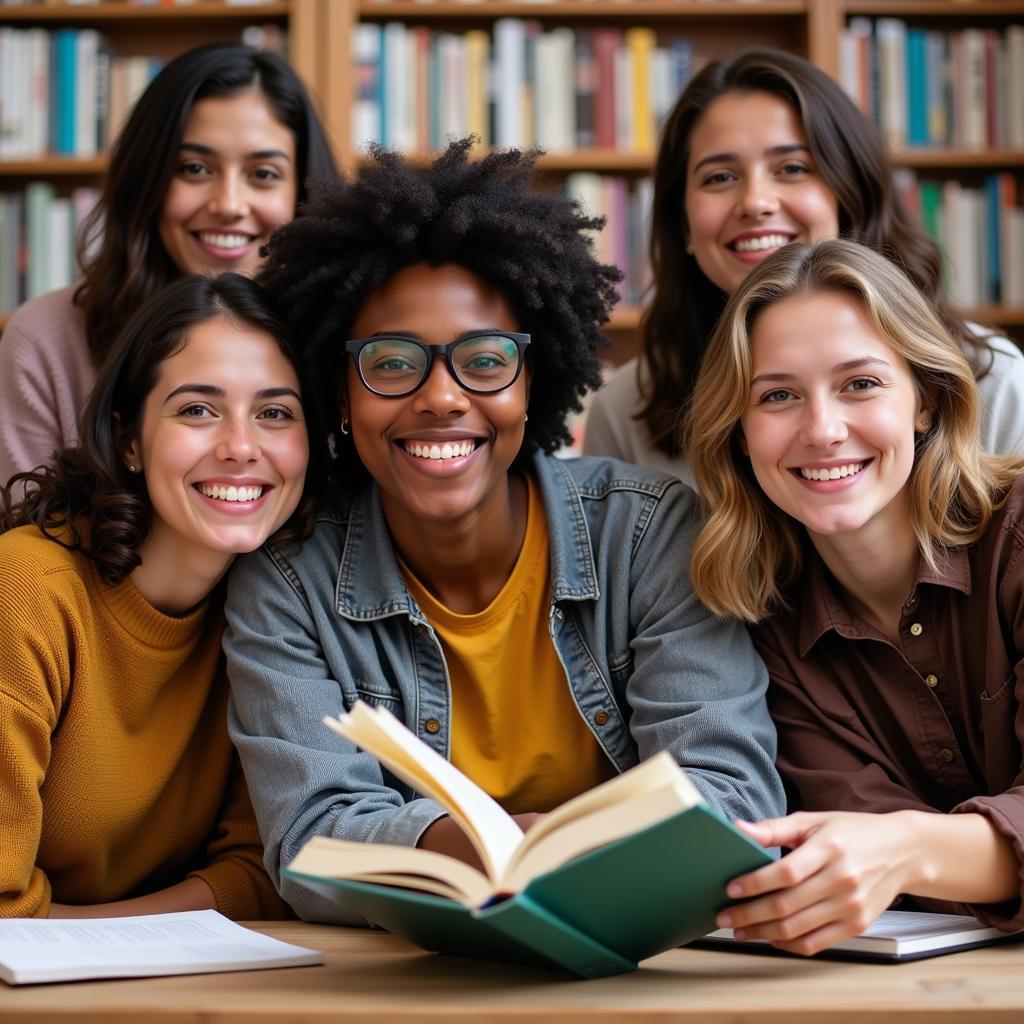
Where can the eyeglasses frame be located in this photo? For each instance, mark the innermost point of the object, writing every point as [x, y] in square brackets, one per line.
[356, 345]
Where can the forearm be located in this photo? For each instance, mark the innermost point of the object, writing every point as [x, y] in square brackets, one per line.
[959, 857]
[191, 894]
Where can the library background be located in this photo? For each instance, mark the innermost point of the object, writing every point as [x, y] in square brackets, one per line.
[586, 80]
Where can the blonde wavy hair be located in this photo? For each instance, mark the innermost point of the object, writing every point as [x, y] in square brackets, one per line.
[748, 551]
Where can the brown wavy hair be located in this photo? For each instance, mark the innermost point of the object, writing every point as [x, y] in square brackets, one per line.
[120, 254]
[748, 552]
[86, 499]
[851, 157]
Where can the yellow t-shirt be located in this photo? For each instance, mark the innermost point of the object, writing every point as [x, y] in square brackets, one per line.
[516, 730]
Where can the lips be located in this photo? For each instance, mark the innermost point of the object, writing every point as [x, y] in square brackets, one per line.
[439, 450]
[837, 472]
[760, 243]
[231, 492]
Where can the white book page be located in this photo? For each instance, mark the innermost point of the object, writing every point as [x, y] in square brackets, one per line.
[182, 943]
[493, 833]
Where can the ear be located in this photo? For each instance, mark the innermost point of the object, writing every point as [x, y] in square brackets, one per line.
[128, 447]
[925, 418]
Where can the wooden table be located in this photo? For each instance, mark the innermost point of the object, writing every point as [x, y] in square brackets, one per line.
[370, 976]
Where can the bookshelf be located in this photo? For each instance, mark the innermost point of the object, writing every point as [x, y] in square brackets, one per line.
[321, 33]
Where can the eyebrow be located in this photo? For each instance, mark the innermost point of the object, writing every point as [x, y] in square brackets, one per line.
[851, 364]
[215, 392]
[256, 154]
[413, 336]
[726, 158]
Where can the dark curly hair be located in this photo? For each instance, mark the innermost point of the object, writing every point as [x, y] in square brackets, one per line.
[86, 499]
[532, 246]
[851, 157]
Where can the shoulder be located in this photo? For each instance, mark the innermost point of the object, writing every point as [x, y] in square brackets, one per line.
[617, 499]
[55, 311]
[34, 571]
[48, 329]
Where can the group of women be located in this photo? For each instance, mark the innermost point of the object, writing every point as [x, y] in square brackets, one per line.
[834, 623]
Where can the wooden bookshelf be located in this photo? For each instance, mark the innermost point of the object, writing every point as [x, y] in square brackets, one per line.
[319, 47]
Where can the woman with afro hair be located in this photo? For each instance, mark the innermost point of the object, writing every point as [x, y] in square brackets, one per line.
[528, 617]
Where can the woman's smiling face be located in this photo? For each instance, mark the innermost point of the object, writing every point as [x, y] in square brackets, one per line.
[476, 436]
[832, 415]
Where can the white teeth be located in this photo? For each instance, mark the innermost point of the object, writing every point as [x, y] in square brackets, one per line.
[224, 241]
[231, 493]
[833, 473]
[757, 244]
[449, 450]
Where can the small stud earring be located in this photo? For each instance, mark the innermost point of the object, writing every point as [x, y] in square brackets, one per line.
[526, 416]
[132, 468]
[344, 427]
[689, 249]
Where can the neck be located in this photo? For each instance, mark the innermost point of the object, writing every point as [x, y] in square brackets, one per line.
[465, 563]
[876, 570]
[174, 582]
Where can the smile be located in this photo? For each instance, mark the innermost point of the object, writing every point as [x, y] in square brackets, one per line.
[222, 493]
[224, 240]
[434, 451]
[833, 472]
[761, 243]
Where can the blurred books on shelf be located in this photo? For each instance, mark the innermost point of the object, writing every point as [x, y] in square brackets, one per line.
[518, 85]
[927, 87]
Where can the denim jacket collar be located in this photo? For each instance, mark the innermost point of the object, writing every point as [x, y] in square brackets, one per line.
[370, 585]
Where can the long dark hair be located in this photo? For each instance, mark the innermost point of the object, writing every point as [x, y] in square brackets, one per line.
[129, 263]
[851, 156]
[86, 499]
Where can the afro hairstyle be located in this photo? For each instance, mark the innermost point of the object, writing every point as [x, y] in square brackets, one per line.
[532, 246]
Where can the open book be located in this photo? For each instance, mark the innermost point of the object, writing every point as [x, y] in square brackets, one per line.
[189, 942]
[623, 871]
[896, 935]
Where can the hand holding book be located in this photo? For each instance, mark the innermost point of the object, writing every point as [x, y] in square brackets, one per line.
[616, 874]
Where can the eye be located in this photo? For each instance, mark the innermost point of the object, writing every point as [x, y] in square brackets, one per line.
[196, 411]
[192, 169]
[267, 175]
[863, 384]
[718, 178]
[794, 169]
[277, 414]
[393, 364]
[776, 396]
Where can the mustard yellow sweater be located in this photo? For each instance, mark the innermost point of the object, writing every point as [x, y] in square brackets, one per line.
[117, 777]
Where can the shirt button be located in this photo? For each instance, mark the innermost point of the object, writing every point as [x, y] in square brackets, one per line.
[916, 629]
[932, 681]
[432, 725]
[947, 755]
[601, 718]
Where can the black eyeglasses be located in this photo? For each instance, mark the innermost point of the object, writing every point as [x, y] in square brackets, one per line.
[483, 362]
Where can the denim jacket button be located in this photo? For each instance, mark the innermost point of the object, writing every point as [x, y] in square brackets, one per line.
[601, 718]
[432, 725]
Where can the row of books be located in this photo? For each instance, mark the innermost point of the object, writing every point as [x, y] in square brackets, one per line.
[66, 92]
[626, 206]
[931, 88]
[38, 230]
[518, 85]
[981, 233]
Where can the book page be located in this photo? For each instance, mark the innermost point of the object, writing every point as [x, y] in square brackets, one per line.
[382, 863]
[191, 942]
[587, 832]
[492, 832]
[655, 773]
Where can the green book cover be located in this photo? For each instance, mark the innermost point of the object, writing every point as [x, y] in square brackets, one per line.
[596, 915]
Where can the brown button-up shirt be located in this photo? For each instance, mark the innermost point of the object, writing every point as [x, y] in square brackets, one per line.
[935, 723]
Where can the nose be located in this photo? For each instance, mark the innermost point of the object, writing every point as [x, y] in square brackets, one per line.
[823, 424]
[758, 197]
[440, 393]
[228, 198]
[238, 442]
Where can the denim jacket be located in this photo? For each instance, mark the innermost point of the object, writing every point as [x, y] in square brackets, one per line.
[310, 631]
